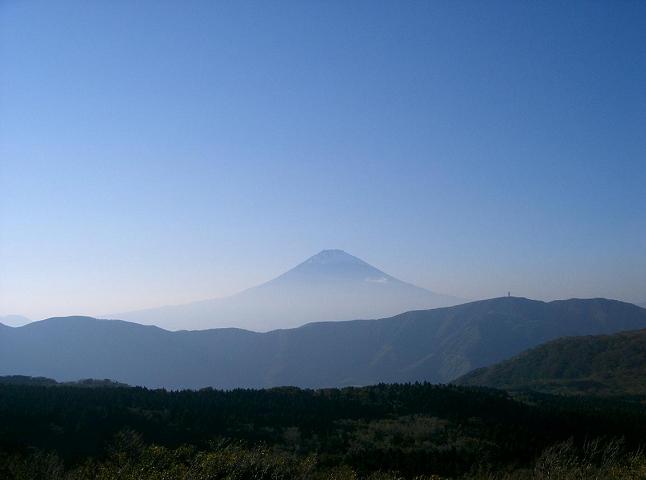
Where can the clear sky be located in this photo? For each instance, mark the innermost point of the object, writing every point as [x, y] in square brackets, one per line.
[157, 152]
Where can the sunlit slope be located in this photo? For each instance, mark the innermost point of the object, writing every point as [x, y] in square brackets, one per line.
[599, 364]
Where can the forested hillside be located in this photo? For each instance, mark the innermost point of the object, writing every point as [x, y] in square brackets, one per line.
[599, 364]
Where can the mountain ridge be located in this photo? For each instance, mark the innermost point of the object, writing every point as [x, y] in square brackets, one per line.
[436, 345]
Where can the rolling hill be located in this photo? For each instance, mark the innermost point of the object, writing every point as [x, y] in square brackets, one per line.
[331, 285]
[49, 382]
[432, 345]
[600, 364]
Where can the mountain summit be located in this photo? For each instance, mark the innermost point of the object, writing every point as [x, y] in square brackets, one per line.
[335, 256]
[335, 265]
[331, 285]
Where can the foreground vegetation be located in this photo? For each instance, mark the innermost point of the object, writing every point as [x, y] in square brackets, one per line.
[133, 460]
[382, 432]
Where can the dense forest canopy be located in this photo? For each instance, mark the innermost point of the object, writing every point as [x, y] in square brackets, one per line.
[411, 429]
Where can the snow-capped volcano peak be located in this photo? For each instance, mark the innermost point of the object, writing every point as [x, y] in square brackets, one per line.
[331, 285]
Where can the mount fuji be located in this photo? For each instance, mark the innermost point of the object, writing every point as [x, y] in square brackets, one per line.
[331, 285]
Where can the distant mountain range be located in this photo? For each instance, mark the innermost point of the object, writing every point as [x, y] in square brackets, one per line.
[600, 364]
[433, 345]
[14, 320]
[332, 285]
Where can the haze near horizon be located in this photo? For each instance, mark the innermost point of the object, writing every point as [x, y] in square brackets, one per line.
[156, 154]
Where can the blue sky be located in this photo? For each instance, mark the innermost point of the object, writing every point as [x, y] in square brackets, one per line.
[160, 152]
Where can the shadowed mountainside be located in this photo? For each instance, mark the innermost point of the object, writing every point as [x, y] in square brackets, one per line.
[432, 345]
